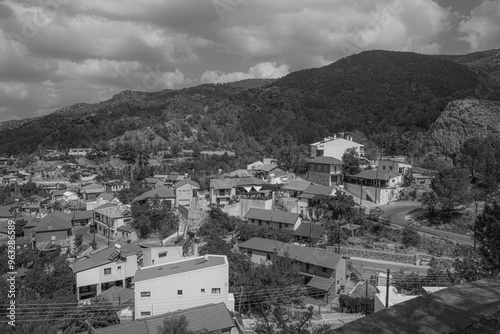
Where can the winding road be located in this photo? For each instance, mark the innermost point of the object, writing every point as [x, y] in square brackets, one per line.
[398, 210]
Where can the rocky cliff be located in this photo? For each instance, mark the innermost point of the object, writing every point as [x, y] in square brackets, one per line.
[464, 119]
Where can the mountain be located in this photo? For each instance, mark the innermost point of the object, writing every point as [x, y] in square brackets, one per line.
[462, 120]
[383, 94]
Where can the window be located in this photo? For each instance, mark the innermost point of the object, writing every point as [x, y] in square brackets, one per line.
[280, 225]
[307, 266]
[143, 314]
[249, 252]
[215, 290]
[323, 269]
[163, 254]
[107, 271]
[391, 167]
[179, 292]
[260, 223]
[119, 267]
[203, 291]
[268, 257]
[383, 167]
[146, 294]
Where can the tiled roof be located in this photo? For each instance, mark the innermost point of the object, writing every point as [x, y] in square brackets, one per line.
[83, 215]
[151, 180]
[106, 196]
[162, 192]
[102, 257]
[316, 256]
[5, 213]
[58, 192]
[319, 190]
[126, 228]
[272, 215]
[455, 310]
[179, 267]
[321, 283]
[210, 318]
[261, 244]
[93, 188]
[53, 222]
[296, 185]
[228, 183]
[372, 175]
[118, 295]
[266, 168]
[325, 160]
[308, 230]
[238, 173]
[187, 181]
[115, 211]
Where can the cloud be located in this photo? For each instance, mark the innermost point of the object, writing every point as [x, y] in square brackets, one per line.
[266, 70]
[481, 30]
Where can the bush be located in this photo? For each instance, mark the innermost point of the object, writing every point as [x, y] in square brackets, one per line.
[410, 237]
[356, 305]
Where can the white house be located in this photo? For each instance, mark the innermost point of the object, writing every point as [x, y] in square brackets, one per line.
[112, 266]
[335, 147]
[160, 255]
[69, 196]
[395, 297]
[109, 217]
[182, 284]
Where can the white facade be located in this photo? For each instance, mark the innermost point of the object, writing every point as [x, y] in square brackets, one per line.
[335, 147]
[160, 255]
[188, 289]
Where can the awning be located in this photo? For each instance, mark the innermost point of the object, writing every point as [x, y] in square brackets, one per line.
[321, 283]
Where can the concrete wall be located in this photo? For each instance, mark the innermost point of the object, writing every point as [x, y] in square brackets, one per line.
[384, 195]
[151, 256]
[247, 204]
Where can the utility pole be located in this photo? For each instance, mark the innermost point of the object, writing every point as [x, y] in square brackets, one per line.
[241, 297]
[361, 195]
[376, 188]
[387, 289]
[366, 297]
[338, 239]
[475, 229]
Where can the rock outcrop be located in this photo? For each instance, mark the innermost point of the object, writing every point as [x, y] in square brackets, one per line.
[464, 119]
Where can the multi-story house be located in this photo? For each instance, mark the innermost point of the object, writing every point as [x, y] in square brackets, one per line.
[79, 152]
[116, 186]
[186, 193]
[163, 195]
[310, 193]
[222, 190]
[91, 191]
[325, 170]
[392, 166]
[115, 265]
[273, 219]
[335, 147]
[109, 217]
[182, 284]
[54, 229]
[374, 185]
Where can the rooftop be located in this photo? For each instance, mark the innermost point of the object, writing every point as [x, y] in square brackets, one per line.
[373, 174]
[272, 215]
[162, 192]
[261, 244]
[210, 318]
[83, 215]
[316, 189]
[234, 182]
[179, 267]
[325, 160]
[114, 211]
[309, 230]
[103, 256]
[55, 221]
[187, 181]
[452, 310]
[296, 185]
[316, 256]
[119, 296]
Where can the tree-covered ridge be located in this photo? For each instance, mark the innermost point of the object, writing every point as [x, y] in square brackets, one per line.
[383, 94]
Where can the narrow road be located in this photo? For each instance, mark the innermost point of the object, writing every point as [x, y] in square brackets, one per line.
[398, 211]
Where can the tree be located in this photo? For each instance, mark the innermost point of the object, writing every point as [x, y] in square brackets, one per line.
[430, 201]
[487, 234]
[452, 187]
[75, 177]
[99, 313]
[351, 162]
[20, 223]
[410, 237]
[408, 178]
[175, 325]
[469, 264]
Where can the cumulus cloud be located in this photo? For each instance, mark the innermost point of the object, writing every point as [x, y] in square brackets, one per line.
[481, 30]
[265, 70]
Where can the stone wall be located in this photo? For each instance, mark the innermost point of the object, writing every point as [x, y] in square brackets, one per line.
[318, 177]
[384, 195]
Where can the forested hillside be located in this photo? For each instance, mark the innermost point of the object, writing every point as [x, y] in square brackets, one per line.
[390, 98]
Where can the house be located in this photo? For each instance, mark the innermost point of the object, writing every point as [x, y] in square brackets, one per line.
[222, 190]
[109, 217]
[54, 229]
[335, 147]
[265, 161]
[273, 219]
[79, 152]
[374, 185]
[102, 198]
[111, 266]
[152, 182]
[306, 231]
[271, 172]
[164, 195]
[310, 193]
[324, 272]
[186, 193]
[116, 186]
[325, 170]
[209, 318]
[467, 308]
[393, 166]
[126, 233]
[170, 179]
[57, 194]
[5, 212]
[260, 249]
[294, 188]
[161, 254]
[91, 191]
[182, 284]
[119, 297]
[69, 196]
[82, 218]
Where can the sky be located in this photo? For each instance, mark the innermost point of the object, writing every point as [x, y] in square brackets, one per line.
[54, 53]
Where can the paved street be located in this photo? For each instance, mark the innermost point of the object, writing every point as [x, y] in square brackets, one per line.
[398, 210]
